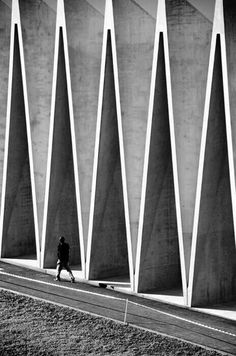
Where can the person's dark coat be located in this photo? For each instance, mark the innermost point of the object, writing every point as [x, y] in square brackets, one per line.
[63, 252]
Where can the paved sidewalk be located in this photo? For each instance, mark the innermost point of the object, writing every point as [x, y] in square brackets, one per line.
[183, 323]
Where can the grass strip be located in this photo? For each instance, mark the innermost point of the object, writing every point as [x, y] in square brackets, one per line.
[31, 327]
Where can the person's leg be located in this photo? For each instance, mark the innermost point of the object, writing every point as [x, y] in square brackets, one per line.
[59, 269]
[67, 267]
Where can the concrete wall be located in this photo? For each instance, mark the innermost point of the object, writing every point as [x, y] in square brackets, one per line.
[189, 40]
[189, 36]
[84, 25]
[230, 30]
[160, 260]
[62, 217]
[109, 256]
[38, 30]
[135, 29]
[215, 261]
[5, 25]
[18, 223]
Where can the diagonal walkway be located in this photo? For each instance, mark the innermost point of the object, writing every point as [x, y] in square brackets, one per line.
[192, 326]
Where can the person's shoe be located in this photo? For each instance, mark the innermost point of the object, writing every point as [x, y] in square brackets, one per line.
[73, 280]
[57, 279]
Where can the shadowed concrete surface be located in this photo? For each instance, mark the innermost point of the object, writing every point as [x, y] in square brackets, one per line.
[18, 223]
[160, 262]
[109, 255]
[189, 36]
[150, 6]
[196, 327]
[99, 5]
[230, 30]
[62, 218]
[135, 30]
[215, 263]
[38, 32]
[85, 32]
[5, 23]
[206, 7]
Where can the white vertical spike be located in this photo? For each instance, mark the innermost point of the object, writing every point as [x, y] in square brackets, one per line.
[17, 21]
[50, 140]
[174, 159]
[97, 137]
[73, 138]
[12, 39]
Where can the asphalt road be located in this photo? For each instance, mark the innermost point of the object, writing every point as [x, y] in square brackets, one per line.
[182, 323]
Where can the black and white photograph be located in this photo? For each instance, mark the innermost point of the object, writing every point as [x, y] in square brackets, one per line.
[117, 177]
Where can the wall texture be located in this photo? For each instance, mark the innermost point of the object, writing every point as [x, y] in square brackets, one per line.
[5, 28]
[61, 163]
[135, 30]
[84, 25]
[38, 22]
[18, 223]
[189, 34]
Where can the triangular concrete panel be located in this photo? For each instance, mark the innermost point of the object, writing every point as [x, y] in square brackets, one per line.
[109, 255]
[62, 214]
[214, 271]
[159, 260]
[18, 236]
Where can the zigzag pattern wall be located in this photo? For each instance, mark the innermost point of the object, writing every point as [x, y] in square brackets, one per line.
[118, 126]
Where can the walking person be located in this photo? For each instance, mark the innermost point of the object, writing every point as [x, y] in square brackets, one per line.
[63, 259]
